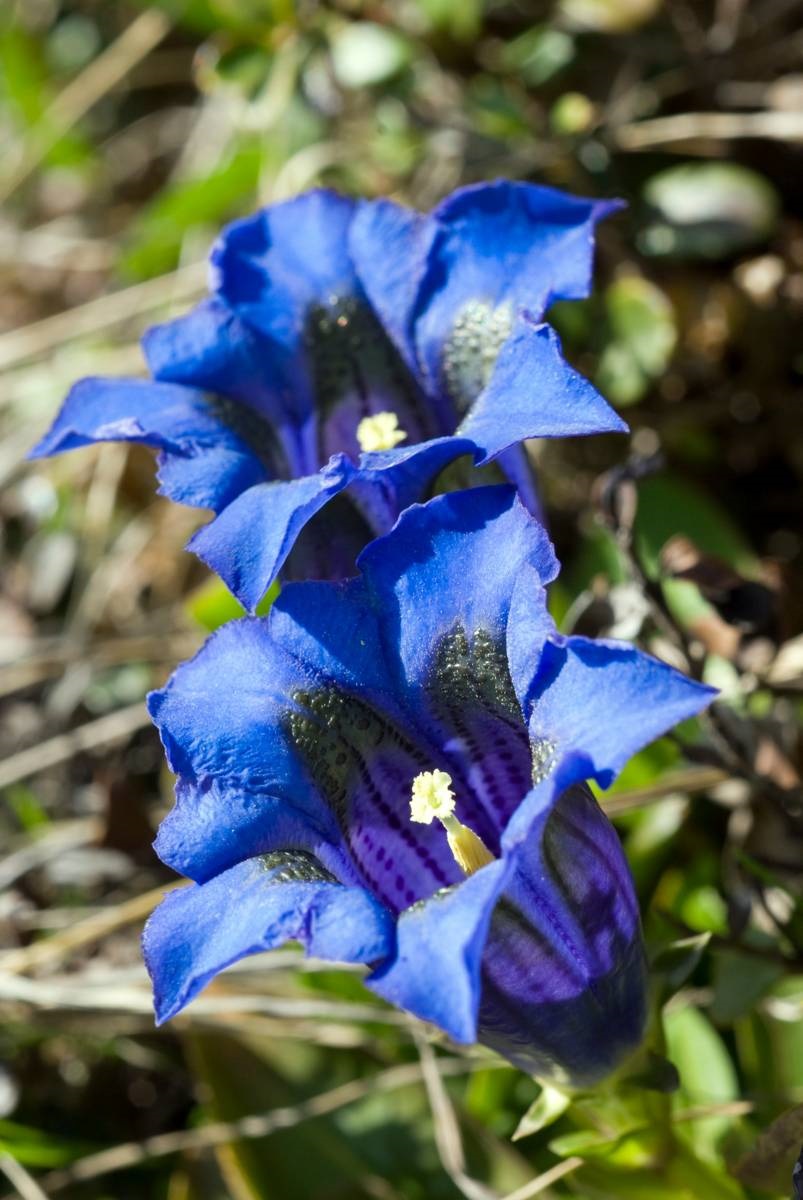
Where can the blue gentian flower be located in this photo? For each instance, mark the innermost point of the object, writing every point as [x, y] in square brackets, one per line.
[353, 345]
[393, 770]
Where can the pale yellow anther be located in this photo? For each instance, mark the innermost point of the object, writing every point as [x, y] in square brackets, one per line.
[433, 799]
[380, 432]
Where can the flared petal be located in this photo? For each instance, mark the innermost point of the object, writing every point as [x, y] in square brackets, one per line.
[601, 699]
[533, 392]
[286, 729]
[499, 248]
[287, 273]
[211, 348]
[204, 460]
[388, 481]
[435, 970]
[448, 563]
[257, 905]
[275, 267]
[214, 825]
[389, 245]
[249, 541]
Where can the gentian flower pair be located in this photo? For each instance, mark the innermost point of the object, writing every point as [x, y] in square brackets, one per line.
[393, 768]
[353, 347]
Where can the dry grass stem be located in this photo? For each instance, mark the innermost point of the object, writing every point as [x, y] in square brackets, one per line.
[538, 1186]
[258, 1125]
[15, 1173]
[102, 74]
[447, 1130]
[694, 779]
[59, 837]
[102, 313]
[719, 126]
[113, 727]
[83, 933]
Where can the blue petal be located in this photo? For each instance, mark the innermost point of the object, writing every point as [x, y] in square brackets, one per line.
[215, 825]
[217, 714]
[273, 267]
[285, 729]
[213, 349]
[517, 466]
[452, 562]
[389, 246]
[222, 718]
[255, 906]
[203, 461]
[503, 246]
[533, 392]
[211, 478]
[287, 273]
[250, 540]
[388, 481]
[435, 971]
[600, 699]
[563, 980]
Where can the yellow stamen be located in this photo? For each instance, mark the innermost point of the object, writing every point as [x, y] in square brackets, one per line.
[433, 799]
[380, 432]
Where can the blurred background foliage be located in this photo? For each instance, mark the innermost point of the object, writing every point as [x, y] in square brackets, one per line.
[129, 133]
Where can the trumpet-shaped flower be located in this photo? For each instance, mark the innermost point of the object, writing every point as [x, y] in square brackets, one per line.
[353, 346]
[393, 770]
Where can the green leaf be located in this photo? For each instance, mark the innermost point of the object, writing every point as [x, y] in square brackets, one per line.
[537, 54]
[740, 981]
[548, 1106]
[38, 1147]
[212, 604]
[365, 54]
[669, 505]
[708, 210]
[707, 1076]
[26, 92]
[462, 21]
[676, 962]
[644, 334]
[155, 238]
[770, 1040]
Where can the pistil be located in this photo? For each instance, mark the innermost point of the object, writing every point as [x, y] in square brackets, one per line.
[380, 432]
[433, 799]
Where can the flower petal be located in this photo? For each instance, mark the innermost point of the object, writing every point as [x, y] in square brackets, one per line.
[452, 562]
[203, 462]
[284, 730]
[435, 971]
[250, 540]
[271, 268]
[533, 392]
[389, 246]
[214, 825]
[601, 699]
[563, 978]
[397, 478]
[224, 721]
[499, 247]
[257, 905]
[217, 714]
[213, 349]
